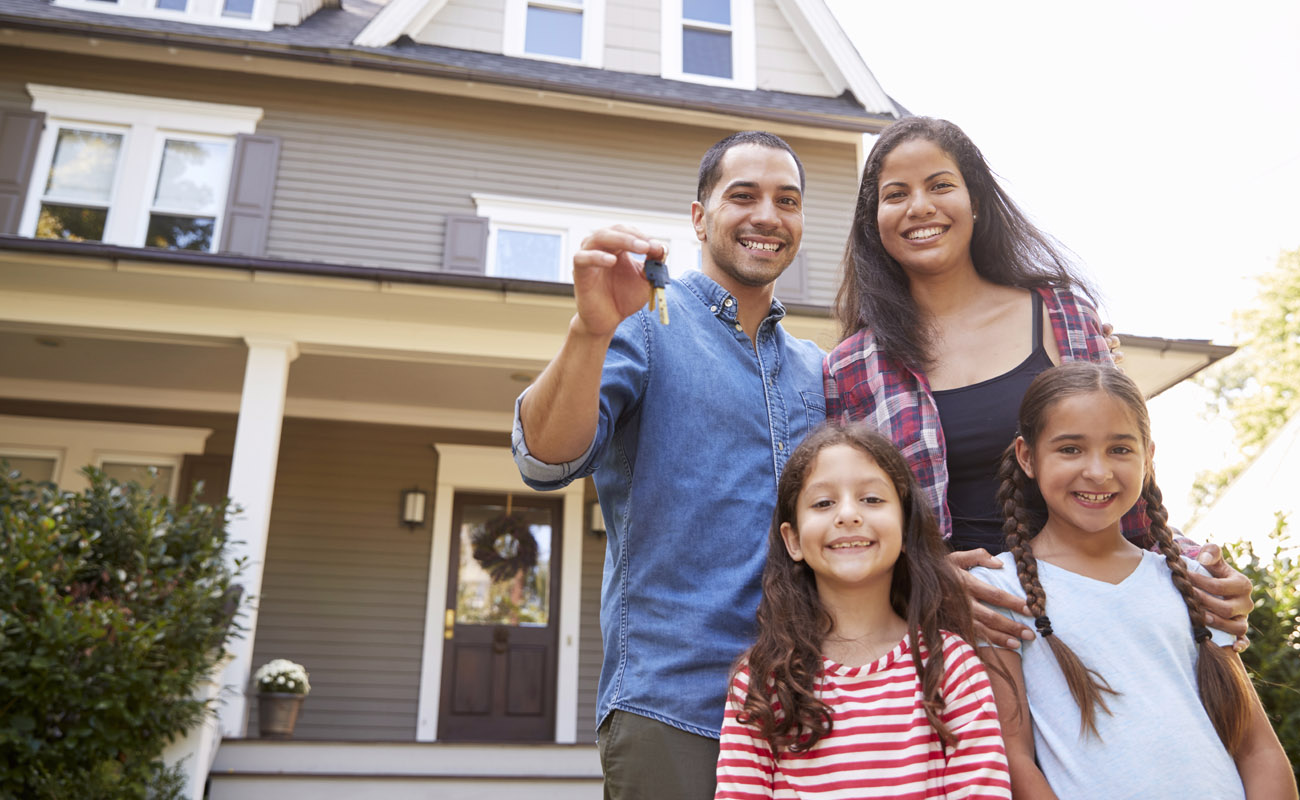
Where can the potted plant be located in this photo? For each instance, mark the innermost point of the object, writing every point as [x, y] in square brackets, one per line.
[281, 686]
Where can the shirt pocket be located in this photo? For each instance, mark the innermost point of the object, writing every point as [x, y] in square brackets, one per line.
[814, 404]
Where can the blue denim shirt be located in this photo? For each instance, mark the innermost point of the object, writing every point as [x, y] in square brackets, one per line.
[696, 423]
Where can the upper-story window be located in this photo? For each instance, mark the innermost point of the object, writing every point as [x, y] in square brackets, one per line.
[132, 170]
[709, 41]
[250, 14]
[537, 239]
[571, 31]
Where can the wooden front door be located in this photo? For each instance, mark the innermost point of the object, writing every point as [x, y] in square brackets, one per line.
[500, 631]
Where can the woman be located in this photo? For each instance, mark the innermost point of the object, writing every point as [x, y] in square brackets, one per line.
[952, 301]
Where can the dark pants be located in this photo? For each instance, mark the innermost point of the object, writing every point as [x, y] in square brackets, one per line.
[643, 758]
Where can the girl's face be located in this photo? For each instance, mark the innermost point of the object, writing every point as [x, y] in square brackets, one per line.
[1089, 462]
[850, 520]
[924, 214]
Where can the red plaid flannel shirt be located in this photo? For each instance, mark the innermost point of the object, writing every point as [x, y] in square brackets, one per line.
[864, 383]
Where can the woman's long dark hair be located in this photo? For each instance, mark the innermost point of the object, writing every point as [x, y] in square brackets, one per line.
[1006, 247]
[1224, 688]
[786, 660]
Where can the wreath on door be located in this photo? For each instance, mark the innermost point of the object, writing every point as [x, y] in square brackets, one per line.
[504, 547]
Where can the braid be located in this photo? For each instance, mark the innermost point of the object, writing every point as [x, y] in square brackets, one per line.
[1224, 688]
[1087, 687]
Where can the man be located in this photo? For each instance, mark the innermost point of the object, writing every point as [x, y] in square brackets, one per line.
[687, 427]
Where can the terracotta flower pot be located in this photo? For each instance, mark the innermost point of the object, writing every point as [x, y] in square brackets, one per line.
[277, 713]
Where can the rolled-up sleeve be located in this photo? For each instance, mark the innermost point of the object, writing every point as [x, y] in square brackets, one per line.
[538, 474]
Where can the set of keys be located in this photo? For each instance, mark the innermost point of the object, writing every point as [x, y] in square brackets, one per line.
[656, 273]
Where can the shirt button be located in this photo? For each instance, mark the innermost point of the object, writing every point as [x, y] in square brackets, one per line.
[714, 309]
[780, 445]
[739, 327]
[727, 302]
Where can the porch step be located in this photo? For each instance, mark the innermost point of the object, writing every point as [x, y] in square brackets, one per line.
[258, 769]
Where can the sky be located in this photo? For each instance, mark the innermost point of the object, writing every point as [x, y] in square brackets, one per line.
[1158, 140]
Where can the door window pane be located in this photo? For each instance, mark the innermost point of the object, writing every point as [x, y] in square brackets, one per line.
[32, 468]
[157, 479]
[553, 32]
[718, 11]
[530, 255]
[706, 53]
[505, 566]
[192, 178]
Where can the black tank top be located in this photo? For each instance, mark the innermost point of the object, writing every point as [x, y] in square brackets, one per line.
[979, 421]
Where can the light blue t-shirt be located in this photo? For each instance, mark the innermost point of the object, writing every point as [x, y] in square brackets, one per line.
[1158, 742]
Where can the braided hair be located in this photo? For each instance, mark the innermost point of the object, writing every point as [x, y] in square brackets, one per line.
[1224, 688]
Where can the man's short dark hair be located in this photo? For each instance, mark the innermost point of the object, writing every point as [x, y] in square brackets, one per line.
[710, 165]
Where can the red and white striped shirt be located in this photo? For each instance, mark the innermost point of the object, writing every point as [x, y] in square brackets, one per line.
[880, 744]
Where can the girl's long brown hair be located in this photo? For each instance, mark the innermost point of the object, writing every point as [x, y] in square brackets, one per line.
[786, 660]
[1224, 688]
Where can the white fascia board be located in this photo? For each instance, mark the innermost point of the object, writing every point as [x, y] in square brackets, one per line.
[395, 19]
[833, 51]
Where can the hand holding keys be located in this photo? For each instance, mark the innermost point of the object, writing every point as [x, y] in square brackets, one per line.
[656, 272]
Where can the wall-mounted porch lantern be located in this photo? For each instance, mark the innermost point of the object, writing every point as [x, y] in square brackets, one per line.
[413, 505]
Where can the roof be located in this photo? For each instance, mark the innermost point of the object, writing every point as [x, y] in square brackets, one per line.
[328, 37]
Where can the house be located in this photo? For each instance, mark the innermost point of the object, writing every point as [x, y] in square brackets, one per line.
[309, 252]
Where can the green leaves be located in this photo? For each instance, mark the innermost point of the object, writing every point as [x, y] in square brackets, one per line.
[113, 608]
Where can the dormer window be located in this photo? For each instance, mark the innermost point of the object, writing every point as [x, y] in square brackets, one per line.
[249, 14]
[709, 41]
[571, 31]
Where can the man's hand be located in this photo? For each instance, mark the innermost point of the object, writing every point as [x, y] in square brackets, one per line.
[608, 283]
[1224, 594]
[990, 626]
[1112, 341]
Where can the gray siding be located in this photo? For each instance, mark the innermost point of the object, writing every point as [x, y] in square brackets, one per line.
[632, 36]
[467, 24]
[590, 650]
[345, 583]
[783, 63]
[368, 177]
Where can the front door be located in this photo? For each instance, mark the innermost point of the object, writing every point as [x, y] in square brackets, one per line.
[498, 666]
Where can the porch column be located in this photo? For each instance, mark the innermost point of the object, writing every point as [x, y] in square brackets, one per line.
[252, 482]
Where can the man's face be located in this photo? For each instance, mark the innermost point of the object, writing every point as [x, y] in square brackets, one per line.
[752, 222]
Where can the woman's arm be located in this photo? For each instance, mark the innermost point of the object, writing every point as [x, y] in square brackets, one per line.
[1262, 764]
[1027, 780]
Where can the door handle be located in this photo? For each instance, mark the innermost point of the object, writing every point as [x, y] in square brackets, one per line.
[449, 624]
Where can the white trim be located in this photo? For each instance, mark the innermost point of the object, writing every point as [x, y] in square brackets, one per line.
[83, 442]
[834, 53]
[397, 18]
[200, 12]
[491, 469]
[514, 30]
[145, 124]
[578, 220]
[744, 71]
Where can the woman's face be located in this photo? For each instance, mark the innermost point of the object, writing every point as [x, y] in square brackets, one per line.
[924, 214]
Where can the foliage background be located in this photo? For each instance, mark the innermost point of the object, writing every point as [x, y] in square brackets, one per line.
[114, 606]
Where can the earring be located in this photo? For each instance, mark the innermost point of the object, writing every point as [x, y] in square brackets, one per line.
[974, 217]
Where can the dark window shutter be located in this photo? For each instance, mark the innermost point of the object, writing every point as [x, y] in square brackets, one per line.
[792, 286]
[20, 133]
[464, 244]
[248, 203]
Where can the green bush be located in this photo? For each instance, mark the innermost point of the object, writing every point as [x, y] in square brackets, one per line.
[114, 606]
[1273, 658]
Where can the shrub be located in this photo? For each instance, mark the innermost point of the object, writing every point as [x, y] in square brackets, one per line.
[114, 606]
[1273, 658]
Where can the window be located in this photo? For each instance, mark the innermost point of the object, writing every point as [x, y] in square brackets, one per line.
[31, 464]
[536, 239]
[556, 30]
[249, 14]
[709, 41]
[157, 475]
[146, 172]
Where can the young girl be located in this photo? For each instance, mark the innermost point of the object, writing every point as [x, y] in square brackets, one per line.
[868, 690]
[1111, 683]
